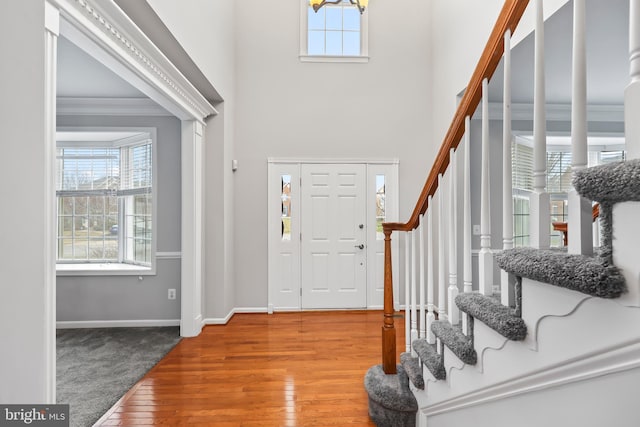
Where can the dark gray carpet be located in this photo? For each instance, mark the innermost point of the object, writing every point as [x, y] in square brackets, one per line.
[495, 315]
[589, 275]
[413, 368]
[96, 367]
[391, 402]
[430, 358]
[460, 344]
[613, 182]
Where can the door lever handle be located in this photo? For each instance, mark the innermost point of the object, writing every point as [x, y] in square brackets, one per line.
[360, 246]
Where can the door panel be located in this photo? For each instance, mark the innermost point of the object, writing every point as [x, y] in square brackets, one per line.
[333, 238]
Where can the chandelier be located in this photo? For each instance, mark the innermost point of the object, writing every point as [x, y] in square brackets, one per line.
[317, 4]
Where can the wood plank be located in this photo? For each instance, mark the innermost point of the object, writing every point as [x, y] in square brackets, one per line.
[284, 369]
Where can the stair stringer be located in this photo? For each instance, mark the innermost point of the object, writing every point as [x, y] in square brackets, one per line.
[541, 300]
[567, 335]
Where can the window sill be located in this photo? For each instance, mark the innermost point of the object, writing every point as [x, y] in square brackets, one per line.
[329, 58]
[106, 269]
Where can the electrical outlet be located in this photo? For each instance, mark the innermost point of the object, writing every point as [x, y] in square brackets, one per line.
[476, 230]
[172, 294]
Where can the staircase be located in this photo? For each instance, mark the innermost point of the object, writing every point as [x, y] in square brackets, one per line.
[559, 344]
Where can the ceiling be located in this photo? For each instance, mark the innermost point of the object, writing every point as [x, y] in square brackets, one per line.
[607, 44]
[81, 76]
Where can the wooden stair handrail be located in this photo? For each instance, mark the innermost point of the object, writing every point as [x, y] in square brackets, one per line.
[509, 17]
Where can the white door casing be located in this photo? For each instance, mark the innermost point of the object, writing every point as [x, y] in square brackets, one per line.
[285, 288]
[333, 243]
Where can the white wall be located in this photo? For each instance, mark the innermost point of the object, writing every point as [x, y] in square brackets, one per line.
[287, 108]
[461, 29]
[206, 30]
[400, 104]
[23, 373]
[609, 400]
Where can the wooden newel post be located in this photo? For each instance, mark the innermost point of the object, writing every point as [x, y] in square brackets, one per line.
[388, 330]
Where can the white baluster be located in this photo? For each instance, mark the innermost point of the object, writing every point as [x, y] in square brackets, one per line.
[414, 299]
[539, 206]
[632, 92]
[421, 281]
[580, 227]
[442, 287]
[407, 292]
[507, 196]
[467, 266]
[431, 339]
[454, 312]
[485, 260]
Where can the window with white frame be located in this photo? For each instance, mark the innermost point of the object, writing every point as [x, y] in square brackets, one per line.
[105, 198]
[336, 32]
[558, 183]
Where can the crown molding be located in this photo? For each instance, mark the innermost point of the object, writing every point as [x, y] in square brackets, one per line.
[109, 107]
[555, 112]
[104, 31]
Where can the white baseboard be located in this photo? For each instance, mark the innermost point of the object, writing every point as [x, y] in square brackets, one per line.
[225, 320]
[116, 323]
[219, 320]
[250, 310]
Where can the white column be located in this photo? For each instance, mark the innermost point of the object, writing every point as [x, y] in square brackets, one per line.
[407, 291]
[192, 265]
[454, 312]
[580, 227]
[442, 287]
[431, 339]
[485, 258]
[467, 266]
[507, 192]
[632, 92]
[414, 299]
[539, 207]
[52, 26]
[421, 280]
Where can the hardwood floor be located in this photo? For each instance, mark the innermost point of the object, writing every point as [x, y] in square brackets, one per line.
[284, 369]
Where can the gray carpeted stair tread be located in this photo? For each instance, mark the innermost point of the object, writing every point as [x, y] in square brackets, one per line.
[611, 183]
[493, 314]
[430, 357]
[458, 343]
[412, 366]
[589, 275]
[391, 402]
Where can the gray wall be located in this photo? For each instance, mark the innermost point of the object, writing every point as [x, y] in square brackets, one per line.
[24, 367]
[85, 298]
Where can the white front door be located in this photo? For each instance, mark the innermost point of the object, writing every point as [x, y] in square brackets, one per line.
[334, 236]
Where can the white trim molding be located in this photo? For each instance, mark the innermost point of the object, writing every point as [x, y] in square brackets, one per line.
[51, 32]
[610, 360]
[358, 160]
[108, 34]
[168, 255]
[234, 311]
[109, 107]
[116, 323]
[364, 41]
